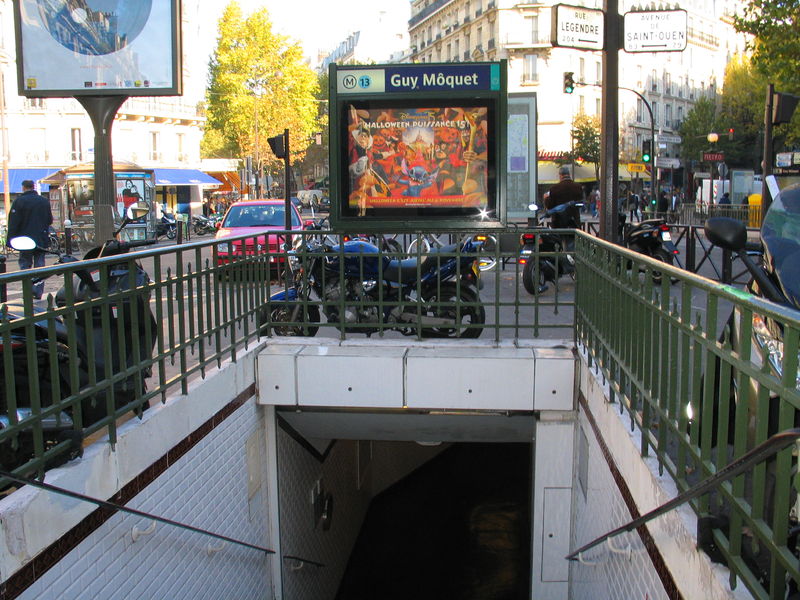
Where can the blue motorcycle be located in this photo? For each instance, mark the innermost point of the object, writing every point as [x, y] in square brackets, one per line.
[360, 289]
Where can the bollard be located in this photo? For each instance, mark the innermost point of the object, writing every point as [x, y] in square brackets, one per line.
[68, 237]
[179, 232]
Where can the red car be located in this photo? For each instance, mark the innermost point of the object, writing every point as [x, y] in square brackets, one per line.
[256, 218]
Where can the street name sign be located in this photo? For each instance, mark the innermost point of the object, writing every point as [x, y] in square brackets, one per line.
[577, 27]
[655, 31]
[663, 162]
[668, 139]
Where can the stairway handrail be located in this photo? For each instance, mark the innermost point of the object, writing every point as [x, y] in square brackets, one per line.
[771, 446]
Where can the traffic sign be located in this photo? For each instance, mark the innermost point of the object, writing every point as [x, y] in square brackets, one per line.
[663, 162]
[636, 168]
[668, 139]
[577, 27]
[655, 31]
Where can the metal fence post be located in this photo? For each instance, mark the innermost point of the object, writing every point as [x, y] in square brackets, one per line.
[3, 293]
[690, 249]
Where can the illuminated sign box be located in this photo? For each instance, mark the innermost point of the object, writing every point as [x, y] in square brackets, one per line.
[414, 143]
[80, 48]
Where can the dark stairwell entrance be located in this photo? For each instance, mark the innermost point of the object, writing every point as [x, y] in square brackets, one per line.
[458, 528]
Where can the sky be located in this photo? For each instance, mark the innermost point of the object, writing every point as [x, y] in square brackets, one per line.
[320, 24]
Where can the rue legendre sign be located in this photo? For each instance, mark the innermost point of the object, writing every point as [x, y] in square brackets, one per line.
[414, 78]
[577, 27]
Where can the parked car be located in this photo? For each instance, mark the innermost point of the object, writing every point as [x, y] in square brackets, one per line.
[256, 218]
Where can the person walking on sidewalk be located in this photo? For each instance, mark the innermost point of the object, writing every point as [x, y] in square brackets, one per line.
[31, 216]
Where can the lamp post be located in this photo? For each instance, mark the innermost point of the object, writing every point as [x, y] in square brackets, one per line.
[712, 138]
[257, 86]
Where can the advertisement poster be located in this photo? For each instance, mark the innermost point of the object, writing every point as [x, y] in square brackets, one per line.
[129, 191]
[417, 158]
[97, 46]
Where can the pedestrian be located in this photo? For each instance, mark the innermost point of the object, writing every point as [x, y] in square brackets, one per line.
[31, 216]
[633, 206]
[663, 203]
[726, 198]
[566, 190]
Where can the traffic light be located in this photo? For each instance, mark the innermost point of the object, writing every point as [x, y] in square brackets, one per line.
[569, 82]
[730, 133]
[647, 151]
[277, 145]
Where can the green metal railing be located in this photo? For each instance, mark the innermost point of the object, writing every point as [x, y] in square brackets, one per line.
[679, 355]
[60, 386]
[660, 335]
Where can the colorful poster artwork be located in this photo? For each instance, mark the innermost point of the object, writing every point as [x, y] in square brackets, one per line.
[417, 158]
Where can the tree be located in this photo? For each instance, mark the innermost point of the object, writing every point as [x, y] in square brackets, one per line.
[259, 85]
[586, 140]
[742, 109]
[699, 122]
[776, 44]
[775, 47]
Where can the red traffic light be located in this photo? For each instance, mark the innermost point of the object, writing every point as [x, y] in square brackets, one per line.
[730, 133]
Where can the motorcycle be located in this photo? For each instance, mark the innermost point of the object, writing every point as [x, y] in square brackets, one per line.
[554, 259]
[93, 343]
[652, 238]
[364, 275]
[167, 226]
[202, 225]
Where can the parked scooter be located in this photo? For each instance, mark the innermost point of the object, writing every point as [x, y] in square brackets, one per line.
[202, 225]
[99, 333]
[167, 226]
[554, 249]
[650, 237]
[410, 291]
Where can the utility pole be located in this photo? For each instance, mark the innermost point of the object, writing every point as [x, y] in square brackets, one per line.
[609, 165]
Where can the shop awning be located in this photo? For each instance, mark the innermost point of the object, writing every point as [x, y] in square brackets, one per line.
[229, 181]
[17, 176]
[183, 177]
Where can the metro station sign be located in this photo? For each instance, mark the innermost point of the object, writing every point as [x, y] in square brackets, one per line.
[577, 27]
[713, 157]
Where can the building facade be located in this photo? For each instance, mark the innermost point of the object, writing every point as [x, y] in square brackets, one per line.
[48, 134]
[519, 31]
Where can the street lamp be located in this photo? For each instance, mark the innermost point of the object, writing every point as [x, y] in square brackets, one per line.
[712, 138]
[257, 85]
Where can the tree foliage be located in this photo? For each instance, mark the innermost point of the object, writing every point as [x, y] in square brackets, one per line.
[742, 109]
[775, 27]
[586, 140]
[699, 122]
[259, 85]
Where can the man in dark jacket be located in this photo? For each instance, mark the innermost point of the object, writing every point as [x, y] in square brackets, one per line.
[566, 190]
[31, 216]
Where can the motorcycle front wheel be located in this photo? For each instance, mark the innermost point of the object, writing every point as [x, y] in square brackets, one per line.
[282, 322]
[460, 303]
[171, 233]
[663, 256]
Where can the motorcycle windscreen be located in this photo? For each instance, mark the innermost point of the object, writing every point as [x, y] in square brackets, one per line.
[781, 236]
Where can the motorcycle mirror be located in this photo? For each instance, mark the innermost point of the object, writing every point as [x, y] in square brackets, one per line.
[137, 211]
[22, 242]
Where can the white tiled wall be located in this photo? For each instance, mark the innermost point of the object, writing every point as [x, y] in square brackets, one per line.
[206, 488]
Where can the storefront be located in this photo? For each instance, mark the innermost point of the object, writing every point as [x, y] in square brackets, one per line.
[72, 197]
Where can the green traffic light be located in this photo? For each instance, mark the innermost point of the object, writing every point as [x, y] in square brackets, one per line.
[645, 158]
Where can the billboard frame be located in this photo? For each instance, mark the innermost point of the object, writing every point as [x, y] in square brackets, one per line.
[28, 79]
[414, 97]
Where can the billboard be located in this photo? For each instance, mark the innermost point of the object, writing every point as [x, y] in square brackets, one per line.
[401, 160]
[418, 143]
[98, 47]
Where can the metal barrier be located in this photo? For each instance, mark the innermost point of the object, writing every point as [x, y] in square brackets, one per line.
[61, 385]
[634, 317]
[694, 366]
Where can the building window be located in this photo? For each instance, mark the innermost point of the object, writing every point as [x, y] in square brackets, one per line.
[639, 111]
[581, 104]
[182, 156]
[598, 70]
[479, 35]
[655, 114]
[581, 69]
[668, 115]
[154, 154]
[449, 53]
[668, 83]
[529, 68]
[532, 25]
[76, 153]
[458, 52]
[653, 81]
[598, 107]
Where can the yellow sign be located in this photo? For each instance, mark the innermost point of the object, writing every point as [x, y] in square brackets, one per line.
[636, 168]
